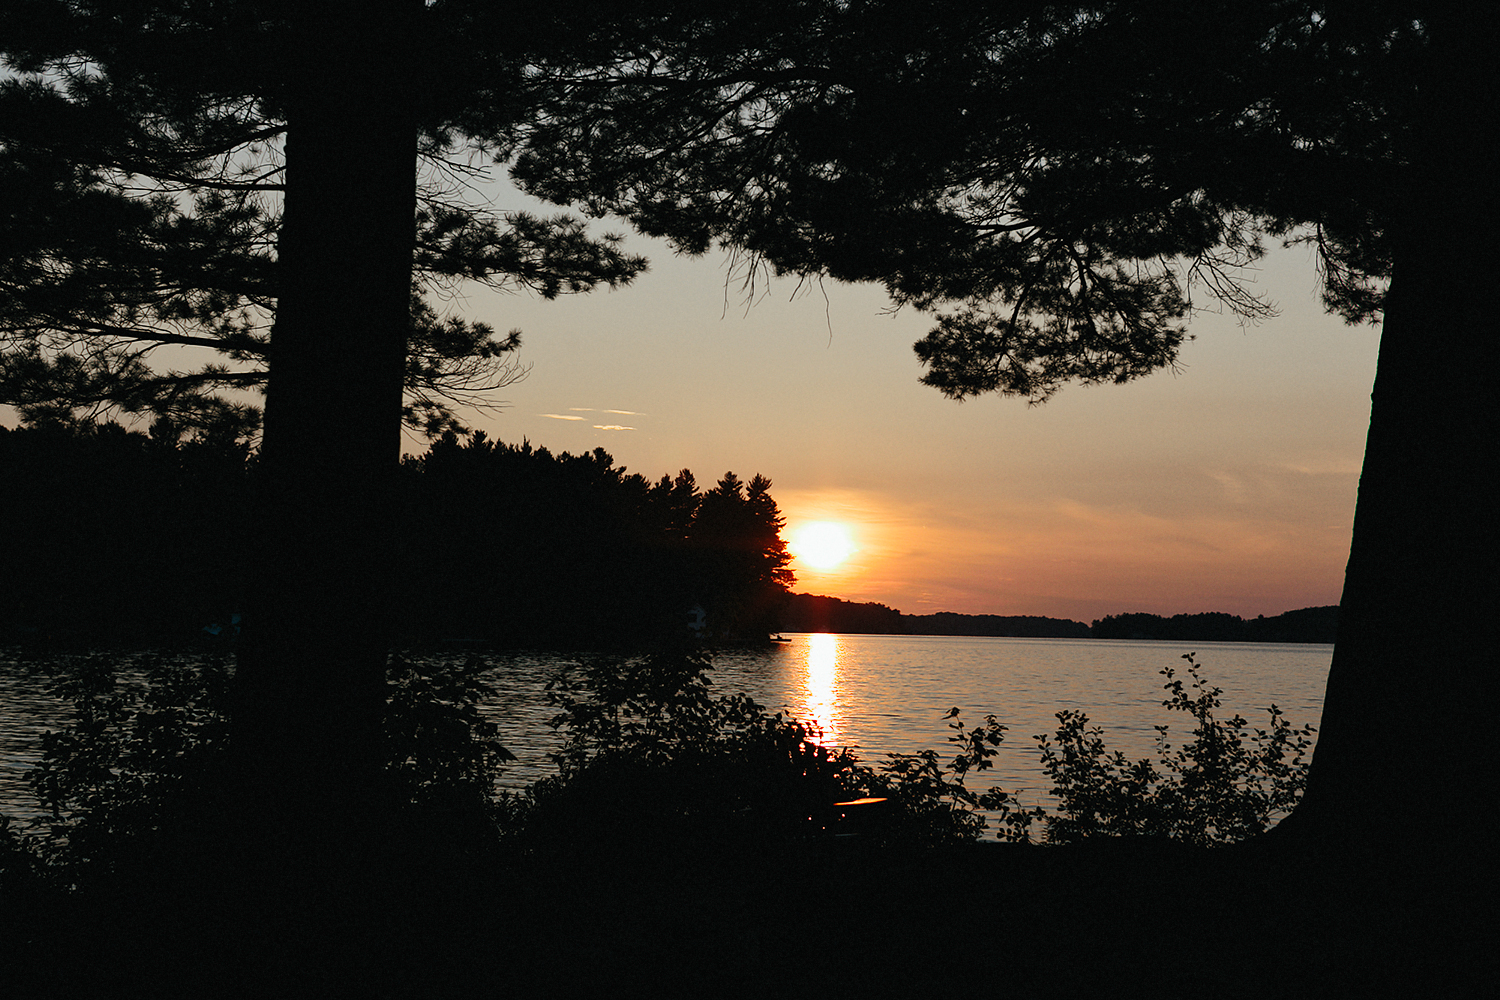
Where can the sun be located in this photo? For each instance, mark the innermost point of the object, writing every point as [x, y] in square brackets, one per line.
[822, 544]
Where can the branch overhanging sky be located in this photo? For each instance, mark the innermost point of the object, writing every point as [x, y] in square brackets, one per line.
[1228, 485]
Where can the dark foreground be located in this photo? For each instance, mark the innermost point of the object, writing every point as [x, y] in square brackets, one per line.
[1115, 918]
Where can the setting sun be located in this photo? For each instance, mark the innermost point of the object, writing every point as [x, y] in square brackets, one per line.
[822, 544]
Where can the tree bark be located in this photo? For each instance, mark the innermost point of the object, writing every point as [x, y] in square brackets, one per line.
[310, 693]
[1406, 755]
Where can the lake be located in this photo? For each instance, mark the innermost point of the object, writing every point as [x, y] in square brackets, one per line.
[889, 694]
[879, 693]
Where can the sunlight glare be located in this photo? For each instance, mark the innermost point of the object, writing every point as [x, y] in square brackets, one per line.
[822, 544]
[822, 685]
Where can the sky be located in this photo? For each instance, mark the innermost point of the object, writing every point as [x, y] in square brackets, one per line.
[1228, 485]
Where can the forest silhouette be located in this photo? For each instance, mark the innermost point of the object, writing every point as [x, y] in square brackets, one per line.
[611, 559]
[815, 613]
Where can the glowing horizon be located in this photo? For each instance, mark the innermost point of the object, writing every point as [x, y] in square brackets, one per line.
[1227, 484]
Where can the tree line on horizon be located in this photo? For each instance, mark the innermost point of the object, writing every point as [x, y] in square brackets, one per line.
[616, 560]
[816, 613]
[613, 560]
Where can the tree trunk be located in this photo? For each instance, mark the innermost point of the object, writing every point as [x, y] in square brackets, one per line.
[311, 676]
[1406, 755]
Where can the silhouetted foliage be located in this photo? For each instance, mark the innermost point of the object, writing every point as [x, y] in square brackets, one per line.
[179, 190]
[1058, 178]
[1049, 172]
[1060, 182]
[116, 537]
[1304, 625]
[808, 613]
[1210, 626]
[143, 199]
[610, 559]
[654, 760]
[136, 780]
[654, 757]
[739, 558]
[1019, 626]
[139, 773]
[1229, 782]
[136, 783]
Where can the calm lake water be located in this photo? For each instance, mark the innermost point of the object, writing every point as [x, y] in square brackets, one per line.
[885, 694]
[881, 694]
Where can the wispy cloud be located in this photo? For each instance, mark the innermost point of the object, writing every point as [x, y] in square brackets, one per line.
[590, 409]
[560, 416]
[612, 427]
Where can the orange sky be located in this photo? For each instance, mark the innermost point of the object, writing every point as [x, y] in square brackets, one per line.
[1228, 486]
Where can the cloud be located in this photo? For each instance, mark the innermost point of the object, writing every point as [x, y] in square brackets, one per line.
[628, 413]
[560, 416]
[612, 427]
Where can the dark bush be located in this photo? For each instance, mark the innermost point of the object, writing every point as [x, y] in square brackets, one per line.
[1229, 782]
[137, 779]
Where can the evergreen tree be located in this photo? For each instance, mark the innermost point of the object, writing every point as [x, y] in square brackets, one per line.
[740, 558]
[143, 205]
[606, 560]
[678, 499]
[766, 541]
[1058, 180]
[244, 178]
[161, 559]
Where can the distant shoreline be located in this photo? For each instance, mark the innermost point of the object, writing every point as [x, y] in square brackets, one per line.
[816, 613]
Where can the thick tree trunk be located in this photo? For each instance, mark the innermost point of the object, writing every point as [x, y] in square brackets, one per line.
[311, 675]
[1407, 752]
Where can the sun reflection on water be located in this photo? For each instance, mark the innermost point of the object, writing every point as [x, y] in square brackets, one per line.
[820, 690]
